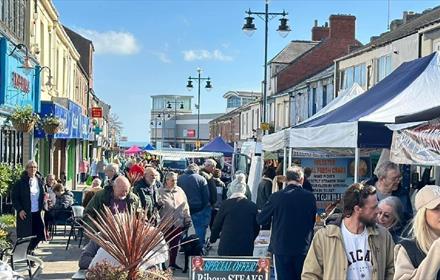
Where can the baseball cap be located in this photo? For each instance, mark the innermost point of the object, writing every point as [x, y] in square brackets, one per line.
[428, 196]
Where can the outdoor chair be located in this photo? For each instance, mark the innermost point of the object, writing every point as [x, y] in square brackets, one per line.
[20, 260]
[61, 217]
[77, 197]
[76, 225]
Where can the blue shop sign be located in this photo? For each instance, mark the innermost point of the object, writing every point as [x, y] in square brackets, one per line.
[50, 108]
[85, 127]
[75, 113]
[18, 86]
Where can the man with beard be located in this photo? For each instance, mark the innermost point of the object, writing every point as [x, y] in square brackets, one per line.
[147, 190]
[353, 247]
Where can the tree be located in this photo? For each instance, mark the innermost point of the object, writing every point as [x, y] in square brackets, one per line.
[115, 125]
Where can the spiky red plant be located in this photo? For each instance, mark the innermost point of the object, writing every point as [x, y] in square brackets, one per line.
[129, 237]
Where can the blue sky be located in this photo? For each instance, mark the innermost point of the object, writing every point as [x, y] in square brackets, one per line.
[151, 47]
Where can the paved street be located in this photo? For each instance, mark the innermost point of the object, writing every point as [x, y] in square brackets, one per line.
[60, 264]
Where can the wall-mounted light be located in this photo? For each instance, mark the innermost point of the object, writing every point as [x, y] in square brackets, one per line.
[49, 83]
[26, 66]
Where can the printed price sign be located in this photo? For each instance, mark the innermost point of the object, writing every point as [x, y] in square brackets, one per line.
[207, 268]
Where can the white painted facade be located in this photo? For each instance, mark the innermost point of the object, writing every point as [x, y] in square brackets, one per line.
[249, 121]
[422, 43]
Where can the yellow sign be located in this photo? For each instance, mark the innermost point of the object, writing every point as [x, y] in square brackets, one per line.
[264, 126]
[198, 143]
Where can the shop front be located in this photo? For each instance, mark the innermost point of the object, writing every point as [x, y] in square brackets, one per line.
[19, 87]
[52, 154]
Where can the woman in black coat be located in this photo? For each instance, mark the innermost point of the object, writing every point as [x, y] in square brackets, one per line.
[236, 223]
[28, 200]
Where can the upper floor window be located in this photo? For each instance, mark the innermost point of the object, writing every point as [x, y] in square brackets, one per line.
[234, 102]
[13, 16]
[354, 74]
[383, 67]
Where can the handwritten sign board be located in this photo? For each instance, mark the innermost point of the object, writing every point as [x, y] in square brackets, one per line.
[331, 176]
[234, 268]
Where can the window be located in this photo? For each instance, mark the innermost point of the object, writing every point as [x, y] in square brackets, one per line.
[353, 74]
[324, 96]
[12, 14]
[42, 47]
[383, 67]
[314, 101]
[233, 102]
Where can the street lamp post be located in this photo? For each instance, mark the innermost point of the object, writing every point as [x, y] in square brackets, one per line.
[208, 87]
[175, 102]
[249, 28]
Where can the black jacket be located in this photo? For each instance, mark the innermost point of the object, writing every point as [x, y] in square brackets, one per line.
[148, 195]
[237, 227]
[264, 191]
[293, 212]
[211, 186]
[307, 185]
[21, 201]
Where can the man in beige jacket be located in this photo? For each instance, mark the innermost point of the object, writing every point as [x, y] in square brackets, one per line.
[353, 246]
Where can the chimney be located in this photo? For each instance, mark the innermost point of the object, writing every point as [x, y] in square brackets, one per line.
[342, 27]
[408, 16]
[395, 24]
[319, 33]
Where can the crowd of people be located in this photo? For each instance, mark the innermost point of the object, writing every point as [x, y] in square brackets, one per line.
[371, 233]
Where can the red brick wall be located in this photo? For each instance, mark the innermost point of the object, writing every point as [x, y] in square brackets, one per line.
[342, 26]
[342, 32]
[228, 128]
[320, 32]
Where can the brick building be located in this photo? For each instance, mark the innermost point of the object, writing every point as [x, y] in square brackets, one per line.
[335, 40]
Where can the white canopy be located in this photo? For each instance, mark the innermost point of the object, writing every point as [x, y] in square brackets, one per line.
[359, 123]
[279, 140]
[184, 154]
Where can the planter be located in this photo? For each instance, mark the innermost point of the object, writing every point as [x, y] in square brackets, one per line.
[51, 128]
[24, 127]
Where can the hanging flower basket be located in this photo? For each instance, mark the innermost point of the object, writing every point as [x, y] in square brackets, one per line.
[50, 124]
[51, 128]
[23, 119]
[24, 127]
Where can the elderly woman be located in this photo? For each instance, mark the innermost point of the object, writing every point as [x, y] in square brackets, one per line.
[90, 192]
[390, 216]
[172, 200]
[112, 172]
[28, 200]
[236, 222]
[419, 257]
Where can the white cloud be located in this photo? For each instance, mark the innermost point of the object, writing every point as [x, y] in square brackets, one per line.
[112, 42]
[162, 57]
[191, 55]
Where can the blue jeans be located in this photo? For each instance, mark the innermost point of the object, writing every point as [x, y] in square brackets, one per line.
[200, 222]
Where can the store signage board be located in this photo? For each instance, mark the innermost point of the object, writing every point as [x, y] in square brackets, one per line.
[331, 176]
[233, 268]
[96, 112]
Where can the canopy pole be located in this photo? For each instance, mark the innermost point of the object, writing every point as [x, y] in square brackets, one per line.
[290, 157]
[285, 162]
[356, 164]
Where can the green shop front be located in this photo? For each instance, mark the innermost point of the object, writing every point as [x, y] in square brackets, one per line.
[61, 153]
